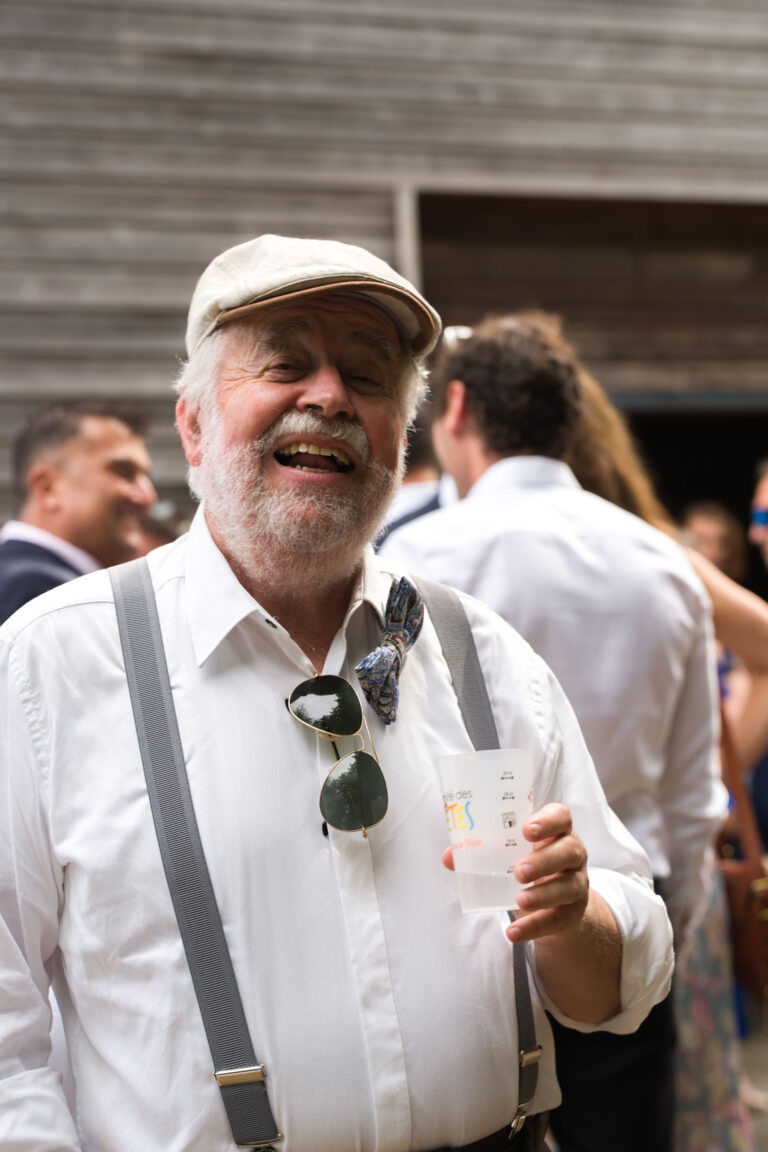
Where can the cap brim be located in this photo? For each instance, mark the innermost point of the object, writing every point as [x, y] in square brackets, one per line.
[418, 328]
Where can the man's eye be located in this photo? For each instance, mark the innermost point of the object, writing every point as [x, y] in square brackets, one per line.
[285, 367]
[124, 471]
[364, 380]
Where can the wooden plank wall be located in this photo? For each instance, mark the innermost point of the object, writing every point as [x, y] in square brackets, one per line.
[663, 300]
[139, 137]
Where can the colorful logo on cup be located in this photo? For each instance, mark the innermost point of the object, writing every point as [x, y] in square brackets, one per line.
[458, 814]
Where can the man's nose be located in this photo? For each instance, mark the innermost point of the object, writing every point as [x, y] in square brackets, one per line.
[325, 392]
[144, 493]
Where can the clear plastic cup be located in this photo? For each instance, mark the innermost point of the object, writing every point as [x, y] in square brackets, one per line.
[487, 797]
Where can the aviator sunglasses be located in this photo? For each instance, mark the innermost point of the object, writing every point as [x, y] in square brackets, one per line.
[354, 795]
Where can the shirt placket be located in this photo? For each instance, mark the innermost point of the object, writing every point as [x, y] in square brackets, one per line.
[373, 983]
[354, 858]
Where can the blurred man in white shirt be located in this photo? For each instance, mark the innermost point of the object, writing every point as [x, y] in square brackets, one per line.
[617, 612]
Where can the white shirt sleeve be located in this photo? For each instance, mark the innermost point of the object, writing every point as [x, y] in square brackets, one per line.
[30, 880]
[692, 798]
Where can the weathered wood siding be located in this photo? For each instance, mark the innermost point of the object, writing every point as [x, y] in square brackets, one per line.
[662, 300]
[139, 137]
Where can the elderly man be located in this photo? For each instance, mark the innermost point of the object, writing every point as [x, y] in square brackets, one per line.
[82, 474]
[385, 1018]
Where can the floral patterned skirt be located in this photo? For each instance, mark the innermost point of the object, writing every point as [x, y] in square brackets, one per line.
[709, 1115]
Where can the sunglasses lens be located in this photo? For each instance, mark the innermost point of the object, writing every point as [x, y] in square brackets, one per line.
[354, 795]
[329, 704]
[759, 517]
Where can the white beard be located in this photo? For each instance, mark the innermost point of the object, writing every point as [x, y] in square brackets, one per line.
[303, 539]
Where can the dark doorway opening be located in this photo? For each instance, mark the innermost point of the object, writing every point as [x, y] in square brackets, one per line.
[695, 455]
[666, 302]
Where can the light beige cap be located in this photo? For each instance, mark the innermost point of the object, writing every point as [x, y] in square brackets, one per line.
[271, 268]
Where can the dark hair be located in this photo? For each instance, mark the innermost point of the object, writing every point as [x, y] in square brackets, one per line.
[58, 423]
[522, 387]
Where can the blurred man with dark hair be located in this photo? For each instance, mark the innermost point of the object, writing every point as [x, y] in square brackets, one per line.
[617, 612]
[81, 473]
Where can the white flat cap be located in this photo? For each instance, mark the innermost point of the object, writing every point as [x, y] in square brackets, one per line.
[271, 268]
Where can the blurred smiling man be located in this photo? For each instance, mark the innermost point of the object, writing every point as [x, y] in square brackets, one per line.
[82, 475]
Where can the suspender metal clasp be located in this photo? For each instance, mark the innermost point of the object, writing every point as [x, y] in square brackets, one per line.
[240, 1075]
[530, 1056]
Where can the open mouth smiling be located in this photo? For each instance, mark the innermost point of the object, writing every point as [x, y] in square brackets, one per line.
[313, 458]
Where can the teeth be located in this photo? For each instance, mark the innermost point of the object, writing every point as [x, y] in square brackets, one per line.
[316, 450]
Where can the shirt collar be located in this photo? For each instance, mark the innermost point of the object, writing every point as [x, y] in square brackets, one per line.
[523, 472]
[77, 558]
[372, 588]
[217, 601]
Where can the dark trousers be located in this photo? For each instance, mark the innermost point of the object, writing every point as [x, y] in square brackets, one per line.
[532, 1138]
[618, 1091]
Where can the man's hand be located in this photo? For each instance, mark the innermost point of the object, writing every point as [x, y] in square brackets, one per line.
[578, 946]
[555, 869]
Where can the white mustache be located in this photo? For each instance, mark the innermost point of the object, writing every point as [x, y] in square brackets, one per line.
[305, 423]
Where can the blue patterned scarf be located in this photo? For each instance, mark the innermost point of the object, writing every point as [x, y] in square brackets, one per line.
[378, 673]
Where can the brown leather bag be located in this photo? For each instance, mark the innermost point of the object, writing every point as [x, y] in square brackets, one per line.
[740, 853]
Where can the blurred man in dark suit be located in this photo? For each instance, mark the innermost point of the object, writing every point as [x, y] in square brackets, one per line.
[81, 472]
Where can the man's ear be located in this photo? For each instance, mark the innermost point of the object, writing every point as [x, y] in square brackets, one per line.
[189, 431]
[456, 408]
[42, 485]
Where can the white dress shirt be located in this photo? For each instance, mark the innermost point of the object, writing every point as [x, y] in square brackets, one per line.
[411, 496]
[414, 495]
[82, 562]
[385, 1018]
[617, 612]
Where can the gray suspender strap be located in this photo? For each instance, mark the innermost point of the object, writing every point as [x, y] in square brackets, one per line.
[458, 645]
[240, 1077]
